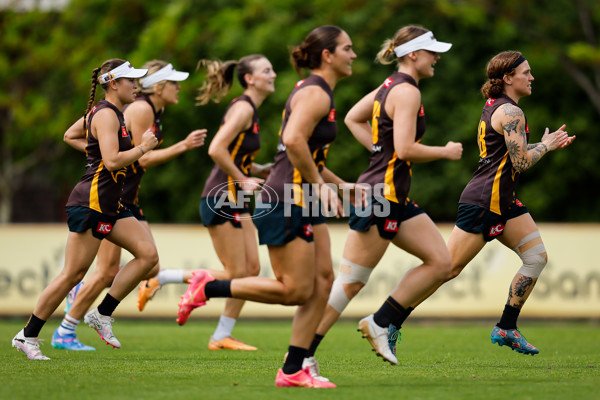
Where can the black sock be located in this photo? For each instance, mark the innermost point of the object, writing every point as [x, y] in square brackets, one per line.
[218, 288]
[509, 317]
[391, 312]
[108, 305]
[404, 316]
[293, 362]
[33, 327]
[315, 343]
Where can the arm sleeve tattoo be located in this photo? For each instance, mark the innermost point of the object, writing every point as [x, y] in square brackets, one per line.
[522, 155]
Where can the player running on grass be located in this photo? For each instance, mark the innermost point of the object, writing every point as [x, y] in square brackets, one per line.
[157, 90]
[233, 150]
[297, 238]
[488, 208]
[394, 137]
[94, 211]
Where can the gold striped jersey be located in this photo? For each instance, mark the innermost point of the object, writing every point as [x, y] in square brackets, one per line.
[493, 184]
[99, 188]
[384, 165]
[135, 173]
[242, 149]
[283, 171]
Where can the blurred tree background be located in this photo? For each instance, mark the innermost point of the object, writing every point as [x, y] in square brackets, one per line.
[47, 56]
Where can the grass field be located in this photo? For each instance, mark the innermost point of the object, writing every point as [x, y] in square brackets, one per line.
[161, 360]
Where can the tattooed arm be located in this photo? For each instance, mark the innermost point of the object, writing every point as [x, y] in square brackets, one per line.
[522, 154]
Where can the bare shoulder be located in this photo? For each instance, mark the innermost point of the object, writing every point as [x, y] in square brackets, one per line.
[105, 116]
[405, 92]
[142, 107]
[313, 99]
[104, 121]
[312, 92]
[241, 107]
[406, 87]
[508, 118]
[239, 116]
[510, 111]
[403, 97]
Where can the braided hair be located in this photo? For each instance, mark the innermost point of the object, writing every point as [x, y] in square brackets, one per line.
[108, 65]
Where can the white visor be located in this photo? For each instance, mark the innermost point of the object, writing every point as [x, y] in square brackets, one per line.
[167, 73]
[124, 70]
[424, 42]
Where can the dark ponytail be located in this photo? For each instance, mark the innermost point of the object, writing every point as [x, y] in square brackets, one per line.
[308, 53]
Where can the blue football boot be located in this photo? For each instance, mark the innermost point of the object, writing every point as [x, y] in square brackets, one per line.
[513, 339]
[69, 342]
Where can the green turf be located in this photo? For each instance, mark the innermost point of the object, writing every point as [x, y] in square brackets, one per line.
[161, 360]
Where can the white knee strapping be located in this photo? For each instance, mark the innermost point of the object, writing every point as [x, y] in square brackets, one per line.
[534, 259]
[526, 239]
[349, 273]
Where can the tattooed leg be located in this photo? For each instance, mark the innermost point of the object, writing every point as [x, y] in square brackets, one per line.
[519, 290]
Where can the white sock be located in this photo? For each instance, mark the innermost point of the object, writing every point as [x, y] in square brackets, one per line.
[170, 276]
[68, 326]
[224, 328]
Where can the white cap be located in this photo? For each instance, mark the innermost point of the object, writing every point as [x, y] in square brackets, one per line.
[124, 70]
[424, 42]
[166, 73]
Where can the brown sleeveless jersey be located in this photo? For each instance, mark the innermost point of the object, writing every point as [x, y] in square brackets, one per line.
[283, 171]
[99, 188]
[242, 149]
[135, 172]
[493, 184]
[384, 165]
